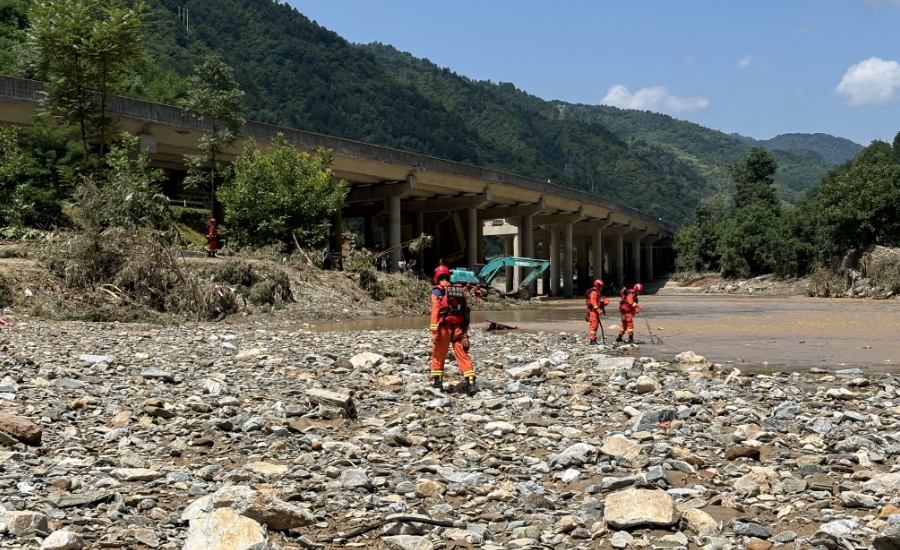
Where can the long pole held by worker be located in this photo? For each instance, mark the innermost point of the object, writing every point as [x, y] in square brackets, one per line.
[653, 339]
[602, 334]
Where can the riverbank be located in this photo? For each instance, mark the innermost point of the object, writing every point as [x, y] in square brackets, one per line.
[241, 287]
[135, 423]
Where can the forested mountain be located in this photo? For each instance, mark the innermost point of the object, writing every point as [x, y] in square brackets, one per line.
[836, 150]
[708, 151]
[298, 74]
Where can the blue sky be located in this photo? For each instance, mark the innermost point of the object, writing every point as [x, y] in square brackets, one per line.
[758, 68]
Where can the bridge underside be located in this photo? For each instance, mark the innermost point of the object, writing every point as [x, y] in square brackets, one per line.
[398, 196]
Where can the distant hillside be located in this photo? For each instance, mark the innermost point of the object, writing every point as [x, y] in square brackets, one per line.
[836, 150]
[571, 151]
[709, 151]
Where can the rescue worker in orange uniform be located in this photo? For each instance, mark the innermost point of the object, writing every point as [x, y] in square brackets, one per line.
[596, 306]
[212, 238]
[629, 307]
[449, 325]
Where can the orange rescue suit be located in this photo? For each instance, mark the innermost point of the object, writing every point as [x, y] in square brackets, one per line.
[448, 327]
[595, 303]
[628, 308]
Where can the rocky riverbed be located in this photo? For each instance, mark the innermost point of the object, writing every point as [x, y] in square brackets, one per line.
[262, 436]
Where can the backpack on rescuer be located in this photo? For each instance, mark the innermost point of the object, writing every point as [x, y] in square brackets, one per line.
[454, 306]
[587, 298]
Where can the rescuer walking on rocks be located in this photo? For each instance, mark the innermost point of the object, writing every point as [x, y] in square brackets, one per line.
[596, 306]
[629, 307]
[449, 325]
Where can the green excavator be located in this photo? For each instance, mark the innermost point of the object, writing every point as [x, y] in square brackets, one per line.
[484, 275]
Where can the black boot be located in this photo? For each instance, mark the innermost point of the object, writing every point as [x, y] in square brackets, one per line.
[619, 338]
[631, 339]
[471, 388]
[592, 343]
[437, 383]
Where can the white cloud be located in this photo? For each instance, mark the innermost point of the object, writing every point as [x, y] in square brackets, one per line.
[873, 81]
[878, 4]
[745, 62]
[656, 98]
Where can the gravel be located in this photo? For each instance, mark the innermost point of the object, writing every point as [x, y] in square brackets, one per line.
[133, 436]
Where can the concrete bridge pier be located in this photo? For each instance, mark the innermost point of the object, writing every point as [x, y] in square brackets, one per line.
[619, 261]
[636, 257]
[648, 272]
[545, 255]
[337, 237]
[597, 262]
[526, 241]
[509, 250]
[568, 281]
[554, 260]
[394, 230]
[582, 261]
[471, 237]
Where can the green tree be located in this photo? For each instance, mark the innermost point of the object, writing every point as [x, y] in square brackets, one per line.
[282, 194]
[754, 178]
[213, 95]
[86, 49]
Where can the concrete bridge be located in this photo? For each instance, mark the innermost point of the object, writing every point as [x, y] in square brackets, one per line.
[399, 195]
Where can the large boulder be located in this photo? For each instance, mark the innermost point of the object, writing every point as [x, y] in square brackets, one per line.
[575, 455]
[225, 529]
[262, 507]
[22, 524]
[635, 507]
[21, 428]
[621, 446]
[63, 540]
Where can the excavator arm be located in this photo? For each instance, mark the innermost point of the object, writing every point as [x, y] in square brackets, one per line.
[490, 271]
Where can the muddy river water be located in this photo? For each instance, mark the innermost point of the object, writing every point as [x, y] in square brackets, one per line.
[753, 333]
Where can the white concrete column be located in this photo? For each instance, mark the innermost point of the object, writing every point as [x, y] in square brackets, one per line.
[394, 230]
[598, 253]
[636, 258]
[471, 237]
[619, 261]
[582, 265]
[554, 260]
[526, 232]
[649, 261]
[480, 238]
[508, 271]
[568, 282]
[517, 271]
[545, 255]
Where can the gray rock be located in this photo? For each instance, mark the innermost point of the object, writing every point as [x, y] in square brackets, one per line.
[889, 539]
[750, 529]
[154, 373]
[651, 420]
[575, 455]
[63, 540]
[820, 426]
[635, 507]
[225, 529]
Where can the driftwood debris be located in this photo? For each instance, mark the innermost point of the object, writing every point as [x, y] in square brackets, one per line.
[327, 398]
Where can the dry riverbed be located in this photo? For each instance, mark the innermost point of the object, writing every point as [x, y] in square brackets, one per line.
[213, 436]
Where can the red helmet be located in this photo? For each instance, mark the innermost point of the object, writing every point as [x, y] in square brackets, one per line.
[598, 284]
[212, 220]
[638, 288]
[441, 270]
